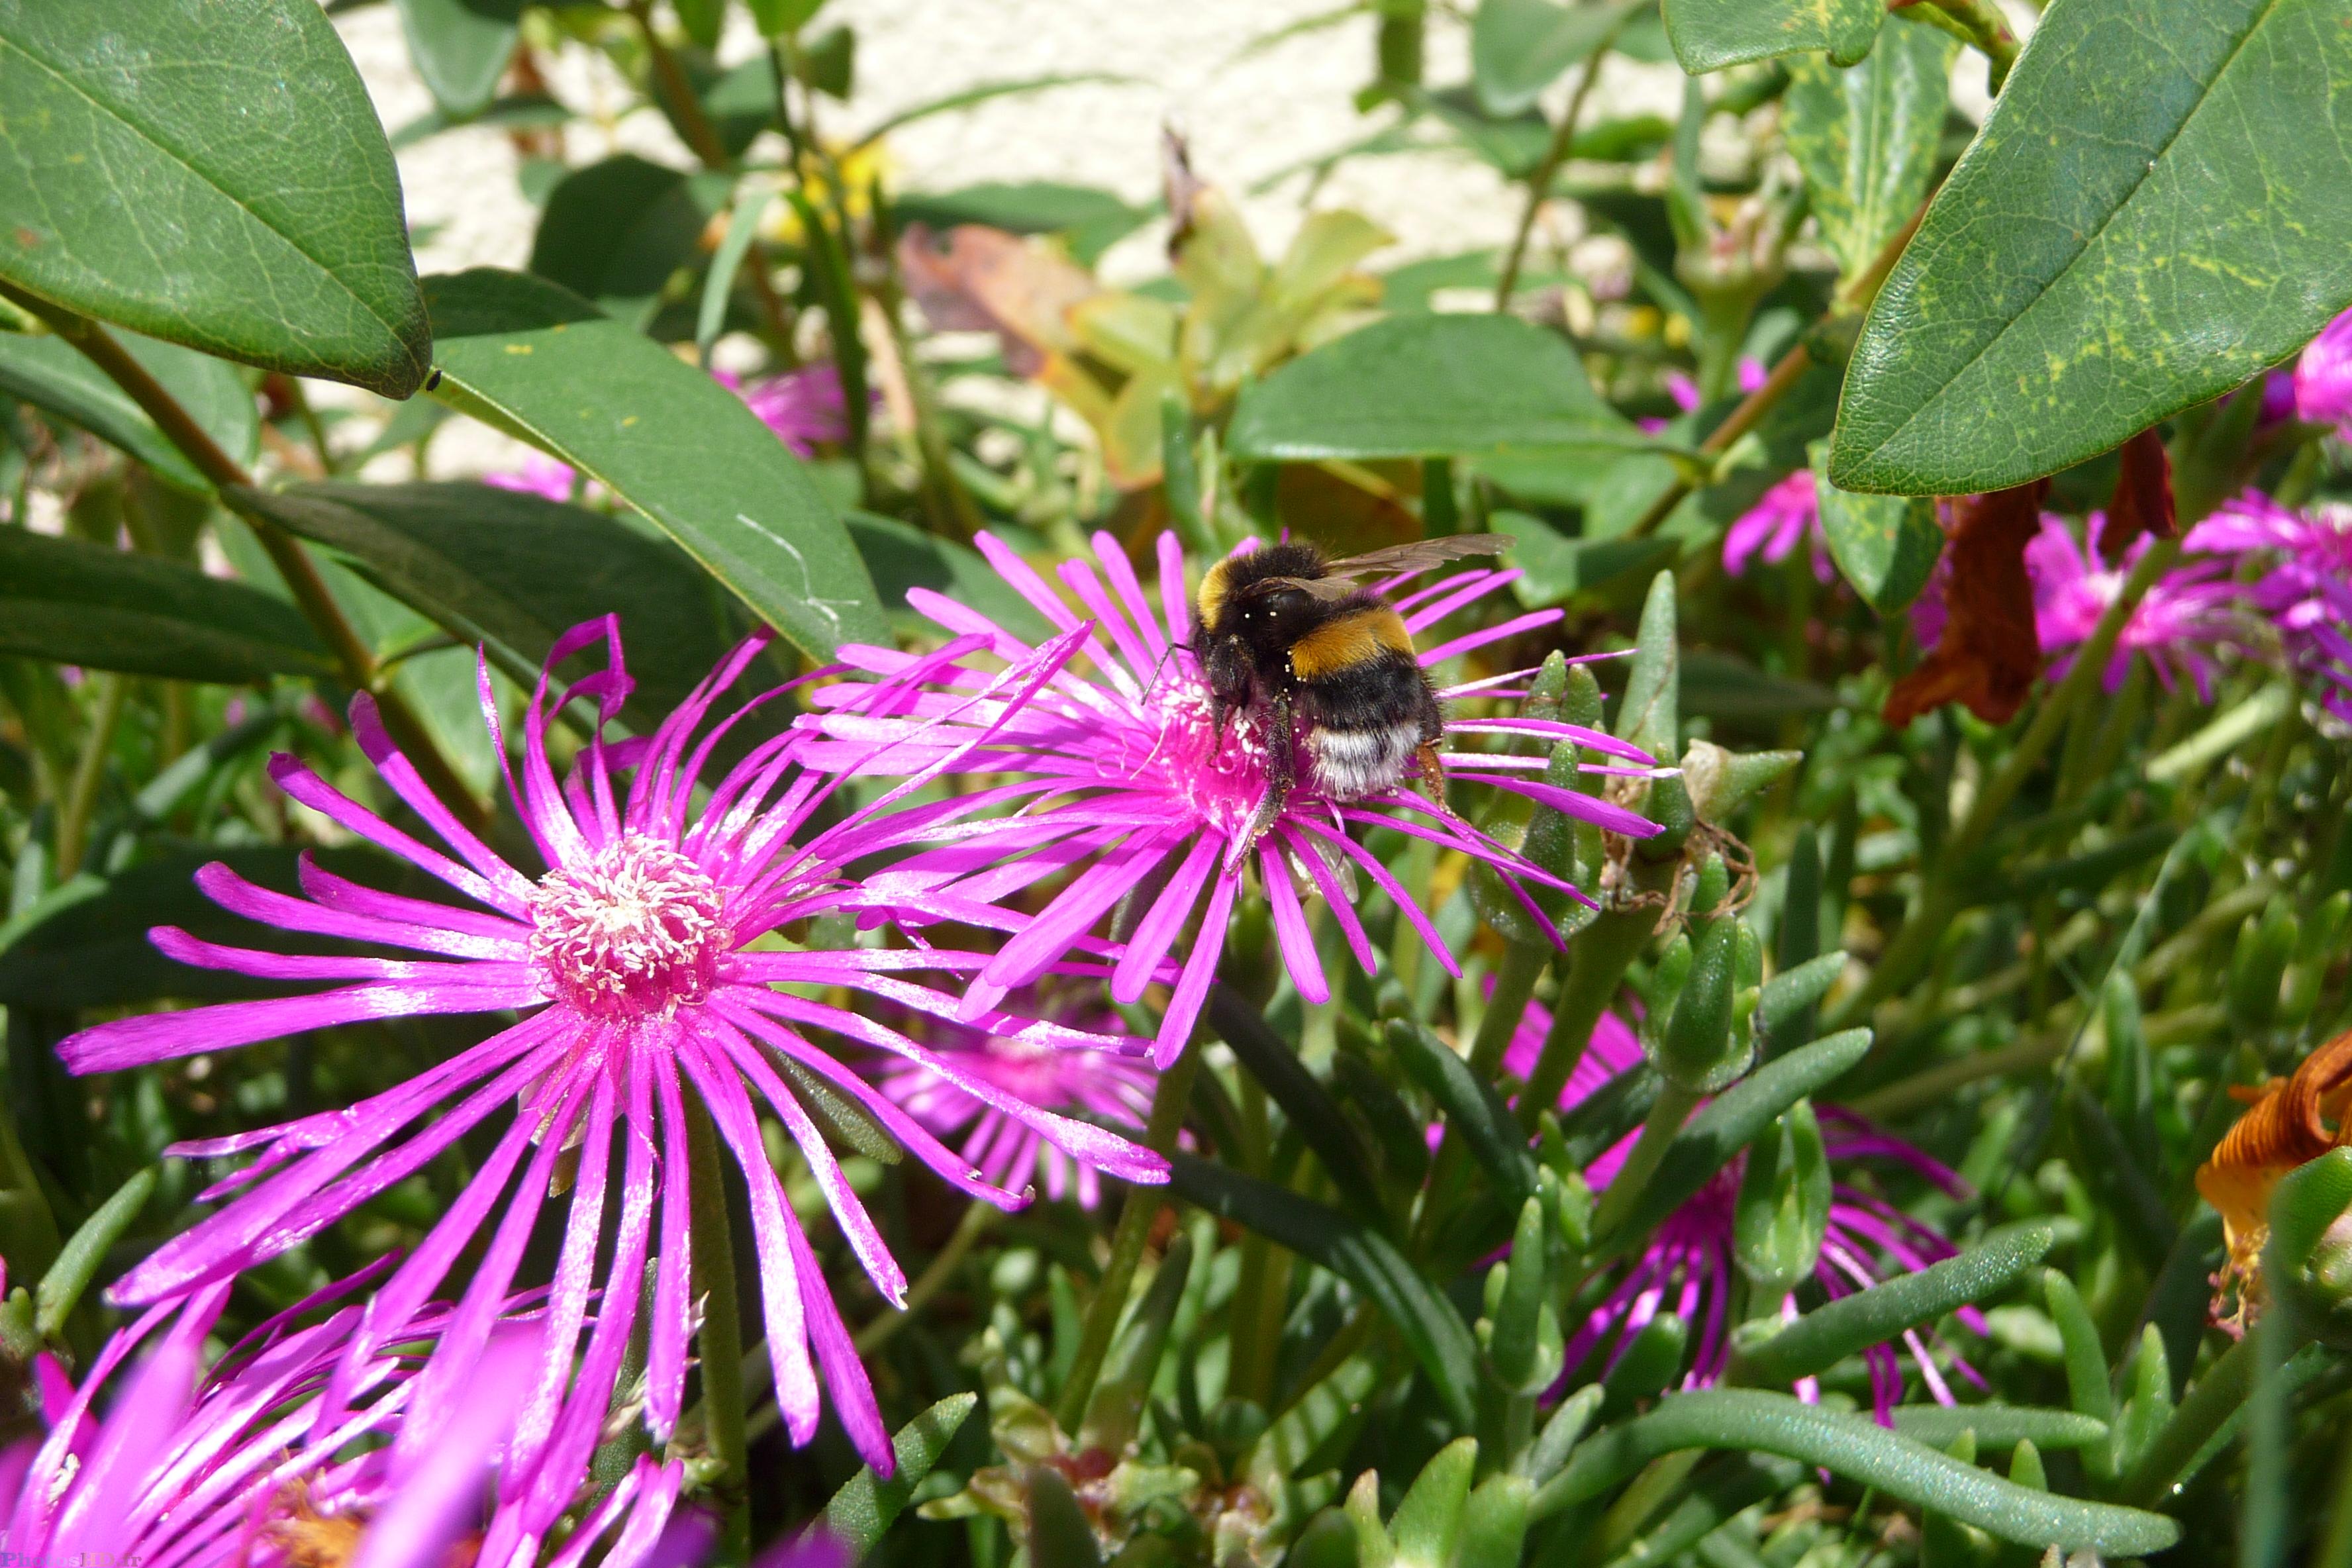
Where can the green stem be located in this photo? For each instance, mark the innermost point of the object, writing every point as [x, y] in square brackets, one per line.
[90, 771]
[941, 1268]
[1596, 967]
[1667, 1114]
[1563, 137]
[310, 590]
[1981, 24]
[2213, 1400]
[1514, 986]
[1135, 1218]
[1916, 942]
[721, 1338]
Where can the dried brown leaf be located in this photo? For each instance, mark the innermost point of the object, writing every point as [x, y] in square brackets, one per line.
[1987, 657]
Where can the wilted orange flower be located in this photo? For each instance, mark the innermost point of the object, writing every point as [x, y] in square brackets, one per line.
[2288, 1121]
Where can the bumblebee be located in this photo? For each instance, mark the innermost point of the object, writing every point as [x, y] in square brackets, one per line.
[1285, 632]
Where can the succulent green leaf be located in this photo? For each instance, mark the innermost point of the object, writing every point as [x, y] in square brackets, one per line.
[545, 366]
[1059, 1535]
[1782, 1213]
[141, 135]
[461, 48]
[1708, 35]
[1428, 1522]
[1426, 1321]
[2151, 214]
[1999, 1425]
[1858, 1448]
[1275, 1063]
[1495, 1524]
[80, 604]
[1427, 387]
[1791, 996]
[1312, 1418]
[1730, 1121]
[1829, 1333]
[866, 1505]
[1472, 1108]
[1647, 716]
[1866, 137]
[78, 1262]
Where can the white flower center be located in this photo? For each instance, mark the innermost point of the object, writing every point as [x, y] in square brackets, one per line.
[630, 934]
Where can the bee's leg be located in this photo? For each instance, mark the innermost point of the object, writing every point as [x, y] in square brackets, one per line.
[1282, 745]
[1430, 781]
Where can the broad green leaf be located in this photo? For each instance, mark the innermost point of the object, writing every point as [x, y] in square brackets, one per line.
[1091, 219]
[90, 949]
[866, 1505]
[1708, 35]
[145, 177]
[541, 364]
[901, 556]
[616, 231]
[63, 1284]
[1829, 1333]
[2150, 215]
[1518, 47]
[1885, 546]
[1866, 137]
[1858, 1448]
[53, 376]
[461, 48]
[1729, 1122]
[82, 604]
[1427, 387]
[1273, 1063]
[513, 572]
[1423, 1318]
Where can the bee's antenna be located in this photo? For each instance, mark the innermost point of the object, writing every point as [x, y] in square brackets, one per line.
[1153, 684]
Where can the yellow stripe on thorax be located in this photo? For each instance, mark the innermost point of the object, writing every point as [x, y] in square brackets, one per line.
[1347, 640]
[1215, 585]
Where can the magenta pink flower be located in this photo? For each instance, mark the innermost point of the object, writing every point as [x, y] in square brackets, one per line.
[2307, 588]
[1789, 512]
[2323, 376]
[1688, 1267]
[1118, 779]
[1101, 1085]
[805, 407]
[2189, 612]
[632, 962]
[540, 475]
[258, 1464]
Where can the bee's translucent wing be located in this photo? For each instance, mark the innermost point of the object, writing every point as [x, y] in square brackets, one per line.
[1418, 556]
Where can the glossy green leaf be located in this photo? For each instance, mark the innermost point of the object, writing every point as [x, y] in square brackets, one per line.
[2146, 219]
[82, 604]
[1708, 35]
[513, 572]
[616, 231]
[1472, 1109]
[90, 948]
[1424, 1318]
[2000, 1426]
[866, 1505]
[1886, 546]
[1427, 387]
[1518, 47]
[1821, 1337]
[1427, 1524]
[542, 364]
[53, 376]
[143, 137]
[78, 1261]
[461, 48]
[1730, 1121]
[1858, 1448]
[1866, 137]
